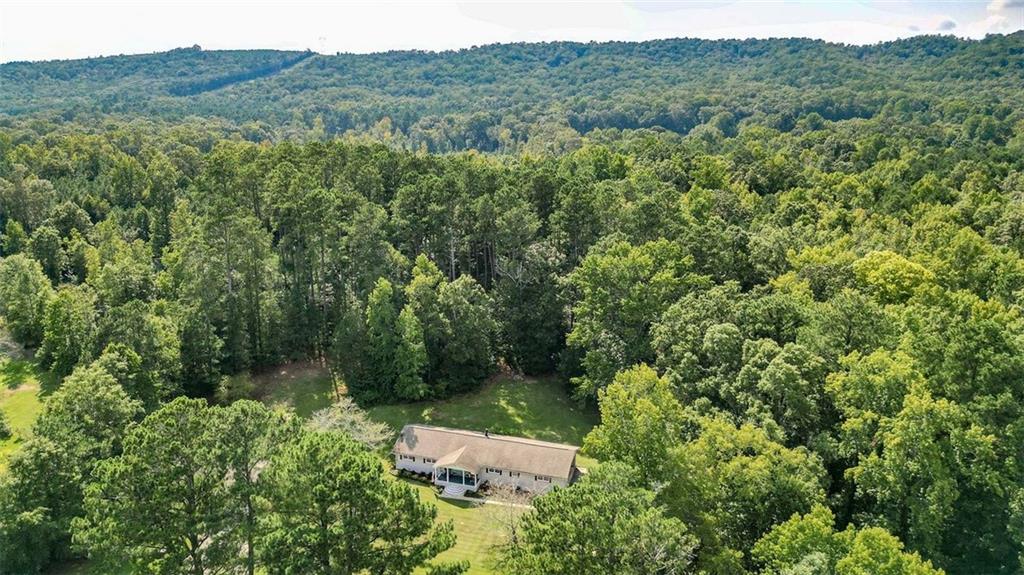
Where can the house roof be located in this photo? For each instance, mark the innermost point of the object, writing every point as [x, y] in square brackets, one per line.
[460, 458]
[472, 450]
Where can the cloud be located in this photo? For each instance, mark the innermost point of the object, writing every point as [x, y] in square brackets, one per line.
[946, 25]
[993, 24]
[1000, 5]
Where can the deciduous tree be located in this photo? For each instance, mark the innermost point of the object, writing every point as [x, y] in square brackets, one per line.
[605, 523]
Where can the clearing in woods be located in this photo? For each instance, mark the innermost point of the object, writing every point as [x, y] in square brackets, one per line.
[527, 407]
[22, 383]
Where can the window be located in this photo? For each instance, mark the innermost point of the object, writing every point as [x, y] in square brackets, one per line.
[541, 478]
[513, 474]
[406, 458]
[428, 460]
[493, 470]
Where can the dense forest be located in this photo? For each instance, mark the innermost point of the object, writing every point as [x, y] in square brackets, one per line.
[788, 274]
[537, 97]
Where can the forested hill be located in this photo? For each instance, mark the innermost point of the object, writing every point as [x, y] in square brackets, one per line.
[503, 97]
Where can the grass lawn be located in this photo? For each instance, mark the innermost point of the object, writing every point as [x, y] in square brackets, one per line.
[303, 386]
[534, 408]
[20, 383]
[478, 529]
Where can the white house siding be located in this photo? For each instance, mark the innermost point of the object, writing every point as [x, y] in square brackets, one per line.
[525, 481]
[416, 465]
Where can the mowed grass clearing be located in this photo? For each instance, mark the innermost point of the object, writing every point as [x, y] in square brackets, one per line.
[21, 381]
[303, 386]
[479, 529]
[527, 407]
[537, 408]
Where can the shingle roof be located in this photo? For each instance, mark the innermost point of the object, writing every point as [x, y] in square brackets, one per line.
[479, 450]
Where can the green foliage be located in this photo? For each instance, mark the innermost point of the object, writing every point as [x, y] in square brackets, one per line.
[421, 293]
[641, 420]
[45, 247]
[251, 436]
[410, 357]
[24, 294]
[234, 388]
[603, 524]
[37, 499]
[504, 97]
[528, 311]
[334, 511]
[132, 512]
[14, 239]
[804, 540]
[383, 339]
[623, 289]
[68, 328]
[147, 343]
[440, 342]
[848, 322]
[890, 277]
[788, 271]
[731, 485]
[932, 449]
[25, 199]
[88, 415]
[468, 353]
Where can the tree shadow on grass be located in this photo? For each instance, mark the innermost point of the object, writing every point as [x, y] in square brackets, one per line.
[537, 408]
[16, 373]
[303, 386]
[461, 504]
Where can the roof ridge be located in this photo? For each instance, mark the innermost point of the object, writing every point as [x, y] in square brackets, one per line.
[508, 438]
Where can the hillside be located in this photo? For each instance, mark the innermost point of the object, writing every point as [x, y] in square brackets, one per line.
[499, 97]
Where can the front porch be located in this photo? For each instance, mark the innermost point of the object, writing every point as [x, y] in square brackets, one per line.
[456, 481]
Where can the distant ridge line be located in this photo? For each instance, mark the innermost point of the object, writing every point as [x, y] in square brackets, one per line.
[212, 84]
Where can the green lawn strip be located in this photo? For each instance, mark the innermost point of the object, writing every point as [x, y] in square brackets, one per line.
[20, 382]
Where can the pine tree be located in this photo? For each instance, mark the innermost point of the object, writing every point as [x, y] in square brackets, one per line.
[382, 337]
[410, 357]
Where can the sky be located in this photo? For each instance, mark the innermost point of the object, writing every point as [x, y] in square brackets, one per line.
[47, 29]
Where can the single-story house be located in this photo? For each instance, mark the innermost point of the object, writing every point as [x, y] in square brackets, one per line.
[461, 460]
